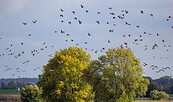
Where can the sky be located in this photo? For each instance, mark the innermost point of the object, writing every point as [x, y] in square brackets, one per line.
[44, 37]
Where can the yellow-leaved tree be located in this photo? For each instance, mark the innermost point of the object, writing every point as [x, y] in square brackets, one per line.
[62, 77]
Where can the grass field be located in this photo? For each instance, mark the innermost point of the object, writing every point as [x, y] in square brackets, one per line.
[153, 101]
[9, 92]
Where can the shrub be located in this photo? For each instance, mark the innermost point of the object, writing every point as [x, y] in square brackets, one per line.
[31, 94]
[156, 95]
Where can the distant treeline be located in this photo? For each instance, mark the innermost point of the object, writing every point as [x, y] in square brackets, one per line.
[162, 84]
[14, 83]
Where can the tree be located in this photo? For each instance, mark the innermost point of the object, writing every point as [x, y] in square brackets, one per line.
[169, 89]
[117, 76]
[156, 95]
[31, 94]
[152, 86]
[13, 84]
[4, 85]
[62, 77]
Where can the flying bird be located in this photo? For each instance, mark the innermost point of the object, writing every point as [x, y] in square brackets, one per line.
[73, 12]
[61, 10]
[81, 6]
[98, 22]
[151, 15]
[24, 23]
[34, 21]
[89, 34]
[141, 11]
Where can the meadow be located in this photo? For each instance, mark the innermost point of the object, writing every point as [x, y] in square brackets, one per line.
[9, 92]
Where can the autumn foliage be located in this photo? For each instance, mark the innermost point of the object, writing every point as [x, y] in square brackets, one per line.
[114, 77]
[62, 77]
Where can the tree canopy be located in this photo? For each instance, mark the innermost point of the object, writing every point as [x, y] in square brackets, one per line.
[62, 77]
[117, 76]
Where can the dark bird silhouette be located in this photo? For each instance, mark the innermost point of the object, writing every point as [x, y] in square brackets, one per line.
[163, 40]
[34, 21]
[69, 22]
[81, 6]
[21, 43]
[145, 64]
[112, 13]
[75, 18]
[151, 15]
[98, 22]
[126, 11]
[98, 12]
[110, 8]
[109, 41]
[61, 15]
[80, 22]
[89, 34]
[141, 11]
[111, 30]
[155, 45]
[29, 34]
[24, 23]
[86, 11]
[73, 12]
[85, 42]
[61, 10]
[62, 31]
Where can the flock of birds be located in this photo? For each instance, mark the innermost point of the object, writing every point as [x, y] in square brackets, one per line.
[121, 16]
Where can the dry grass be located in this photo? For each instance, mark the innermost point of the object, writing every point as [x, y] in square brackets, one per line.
[10, 98]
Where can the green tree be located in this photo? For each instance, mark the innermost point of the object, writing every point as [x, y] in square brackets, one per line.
[62, 77]
[152, 86]
[156, 95]
[117, 76]
[31, 94]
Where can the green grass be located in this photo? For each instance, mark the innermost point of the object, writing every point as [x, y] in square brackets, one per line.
[170, 95]
[9, 92]
[153, 101]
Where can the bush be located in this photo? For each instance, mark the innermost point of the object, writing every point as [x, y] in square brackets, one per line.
[31, 94]
[156, 95]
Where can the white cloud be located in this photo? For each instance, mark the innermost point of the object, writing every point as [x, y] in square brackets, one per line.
[13, 6]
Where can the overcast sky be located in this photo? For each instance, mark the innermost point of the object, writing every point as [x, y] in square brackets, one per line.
[13, 13]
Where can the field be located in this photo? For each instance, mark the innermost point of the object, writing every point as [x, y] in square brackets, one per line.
[10, 98]
[13, 96]
[153, 101]
[9, 92]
